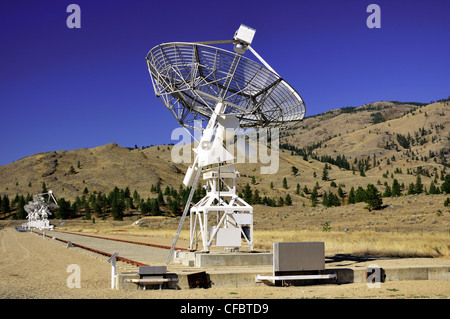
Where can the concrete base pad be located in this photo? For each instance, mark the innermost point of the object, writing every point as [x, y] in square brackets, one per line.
[212, 259]
[245, 276]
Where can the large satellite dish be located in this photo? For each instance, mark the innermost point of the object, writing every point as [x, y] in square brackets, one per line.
[200, 82]
[190, 78]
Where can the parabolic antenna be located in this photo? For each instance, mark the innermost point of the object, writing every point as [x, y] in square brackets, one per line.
[199, 82]
[190, 78]
[39, 209]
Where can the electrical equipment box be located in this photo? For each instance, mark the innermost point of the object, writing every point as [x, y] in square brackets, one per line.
[298, 256]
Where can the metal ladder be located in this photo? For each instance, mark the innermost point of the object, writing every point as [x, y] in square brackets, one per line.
[183, 217]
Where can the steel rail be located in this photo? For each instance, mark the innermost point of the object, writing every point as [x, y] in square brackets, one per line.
[121, 240]
[126, 260]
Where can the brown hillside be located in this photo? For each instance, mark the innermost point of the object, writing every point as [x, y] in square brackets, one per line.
[99, 169]
[102, 168]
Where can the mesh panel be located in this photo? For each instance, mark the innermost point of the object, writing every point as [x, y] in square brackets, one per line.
[191, 78]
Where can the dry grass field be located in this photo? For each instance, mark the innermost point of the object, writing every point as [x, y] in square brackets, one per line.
[35, 268]
[399, 230]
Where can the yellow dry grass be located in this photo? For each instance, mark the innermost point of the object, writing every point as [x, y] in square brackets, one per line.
[365, 242]
[361, 242]
[410, 243]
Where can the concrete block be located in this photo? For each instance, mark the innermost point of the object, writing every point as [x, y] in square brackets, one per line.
[298, 256]
[121, 283]
[406, 273]
[232, 259]
[439, 273]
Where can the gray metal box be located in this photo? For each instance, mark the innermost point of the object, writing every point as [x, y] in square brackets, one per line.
[152, 270]
[298, 256]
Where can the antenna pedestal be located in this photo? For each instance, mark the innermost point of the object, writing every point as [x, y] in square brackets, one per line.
[221, 218]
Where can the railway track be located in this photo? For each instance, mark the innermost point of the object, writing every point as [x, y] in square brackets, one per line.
[132, 252]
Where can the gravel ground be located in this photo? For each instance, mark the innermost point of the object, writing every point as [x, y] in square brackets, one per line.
[33, 267]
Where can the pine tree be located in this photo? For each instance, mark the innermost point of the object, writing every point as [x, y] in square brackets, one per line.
[333, 200]
[313, 197]
[154, 208]
[387, 191]
[373, 197]
[21, 213]
[325, 200]
[288, 200]
[174, 207]
[351, 196]
[256, 199]
[325, 173]
[5, 204]
[418, 187]
[72, 170]
[136, 198]
[161, 198]
[247, 195]
[305, 190]
[44, 190]
[411, 189]
[64, 210]
[127, 193]
[117, 209]
[340, 192]
[396, 190]
[87, 208]
[445, 187]
[360, 195]
[447, 202]
[285, 185]
[433, 189]
[97, 208]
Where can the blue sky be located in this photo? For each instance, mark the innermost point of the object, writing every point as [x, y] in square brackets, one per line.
[63, 89]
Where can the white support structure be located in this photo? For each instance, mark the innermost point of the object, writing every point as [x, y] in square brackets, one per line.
[233, 216]
[233, 222]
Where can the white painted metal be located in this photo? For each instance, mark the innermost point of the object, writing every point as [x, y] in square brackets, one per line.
[260, 278]
[38, 211]
[221, 199]
[183, 217]
[196, 82]
[244, 37]
[112, 260]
